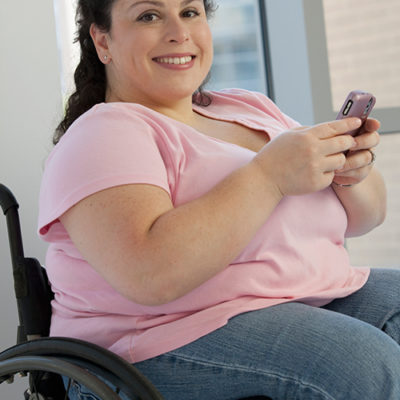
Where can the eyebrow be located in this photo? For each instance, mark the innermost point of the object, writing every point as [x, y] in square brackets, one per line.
[159, 3]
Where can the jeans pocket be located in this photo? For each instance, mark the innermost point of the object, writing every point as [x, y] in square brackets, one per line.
[78, 391]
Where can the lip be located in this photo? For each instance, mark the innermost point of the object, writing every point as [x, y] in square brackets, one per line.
[173, 55]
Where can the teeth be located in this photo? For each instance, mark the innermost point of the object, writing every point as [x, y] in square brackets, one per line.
[175, 60]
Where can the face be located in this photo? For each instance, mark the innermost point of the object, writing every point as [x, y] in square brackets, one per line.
[158, 51]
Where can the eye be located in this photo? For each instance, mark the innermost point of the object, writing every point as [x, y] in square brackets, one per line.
[190, 13]
[148, 17]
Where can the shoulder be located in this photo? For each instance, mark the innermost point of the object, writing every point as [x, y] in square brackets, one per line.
[102, 117]
[108, 139]
[107, 126]
[110, 145]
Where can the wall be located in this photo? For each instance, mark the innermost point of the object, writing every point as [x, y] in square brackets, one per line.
[30, 105]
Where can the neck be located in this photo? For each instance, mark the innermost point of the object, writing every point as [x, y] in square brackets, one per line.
[180, 110]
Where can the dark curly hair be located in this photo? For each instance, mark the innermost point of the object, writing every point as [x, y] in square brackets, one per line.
[90, 76]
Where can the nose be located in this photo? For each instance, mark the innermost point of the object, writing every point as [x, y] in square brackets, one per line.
[177, 31]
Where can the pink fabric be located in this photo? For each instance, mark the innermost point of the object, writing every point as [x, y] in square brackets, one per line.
[297, 255]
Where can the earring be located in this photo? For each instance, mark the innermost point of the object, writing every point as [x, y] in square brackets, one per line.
[105, 58]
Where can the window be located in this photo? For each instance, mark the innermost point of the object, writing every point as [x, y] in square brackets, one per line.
[68, 51]
[238, 54]
[302, 48]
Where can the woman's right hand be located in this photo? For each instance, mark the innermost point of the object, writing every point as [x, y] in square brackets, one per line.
[304, 159]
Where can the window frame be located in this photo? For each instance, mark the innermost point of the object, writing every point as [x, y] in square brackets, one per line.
[299, 67]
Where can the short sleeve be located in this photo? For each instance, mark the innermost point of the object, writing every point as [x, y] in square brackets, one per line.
[108, 146]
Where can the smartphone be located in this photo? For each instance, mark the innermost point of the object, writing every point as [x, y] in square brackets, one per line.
[357, 104]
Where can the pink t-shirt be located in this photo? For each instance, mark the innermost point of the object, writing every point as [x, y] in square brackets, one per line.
[297, 255]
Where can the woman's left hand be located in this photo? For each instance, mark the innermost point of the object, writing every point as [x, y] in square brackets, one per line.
[359, 160]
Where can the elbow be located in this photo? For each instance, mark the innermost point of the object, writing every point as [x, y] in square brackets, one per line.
[151, 292]
[362, 227]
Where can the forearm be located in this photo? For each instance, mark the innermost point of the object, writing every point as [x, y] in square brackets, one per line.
[197, 240]
[365, 203]
[152, 252]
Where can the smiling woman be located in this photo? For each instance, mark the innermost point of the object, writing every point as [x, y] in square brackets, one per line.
[90, 74]
[150, 32]
[193, 239]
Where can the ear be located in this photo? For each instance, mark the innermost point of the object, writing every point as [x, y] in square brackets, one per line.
[100, 41]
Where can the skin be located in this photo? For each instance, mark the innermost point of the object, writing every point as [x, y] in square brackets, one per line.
[365, 201]
[143, 32]
[149, 250]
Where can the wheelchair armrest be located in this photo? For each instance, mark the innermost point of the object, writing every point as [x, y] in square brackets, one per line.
[7, 199]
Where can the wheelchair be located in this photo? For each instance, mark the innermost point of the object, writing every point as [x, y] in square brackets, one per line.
[54, 365]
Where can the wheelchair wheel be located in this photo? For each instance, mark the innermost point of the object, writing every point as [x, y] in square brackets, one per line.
[29, 364]
[95, 359]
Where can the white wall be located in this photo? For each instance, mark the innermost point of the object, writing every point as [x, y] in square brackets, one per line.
[30, 105]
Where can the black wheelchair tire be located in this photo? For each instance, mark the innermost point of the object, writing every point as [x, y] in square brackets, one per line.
[26, 364]
[92, 357]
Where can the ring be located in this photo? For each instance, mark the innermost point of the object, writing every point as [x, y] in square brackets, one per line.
[373, 156]
[341, 185]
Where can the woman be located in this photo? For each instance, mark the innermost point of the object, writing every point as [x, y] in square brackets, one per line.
[201, 236]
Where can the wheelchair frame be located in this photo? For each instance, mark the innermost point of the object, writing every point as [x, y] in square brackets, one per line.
[47, 359]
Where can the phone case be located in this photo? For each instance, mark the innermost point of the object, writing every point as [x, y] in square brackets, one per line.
[357, 104]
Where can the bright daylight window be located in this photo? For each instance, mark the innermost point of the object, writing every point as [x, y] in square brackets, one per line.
[68, 51]
[238, 58]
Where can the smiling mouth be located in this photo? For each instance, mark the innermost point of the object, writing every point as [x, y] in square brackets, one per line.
[174, 60]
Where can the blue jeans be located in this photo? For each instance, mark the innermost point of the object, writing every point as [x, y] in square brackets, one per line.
[346, 350]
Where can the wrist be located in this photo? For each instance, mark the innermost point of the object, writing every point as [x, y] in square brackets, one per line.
[264, 180]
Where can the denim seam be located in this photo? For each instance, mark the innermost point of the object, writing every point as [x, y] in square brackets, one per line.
[86, 395]
[298, 382]
[387, 317]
